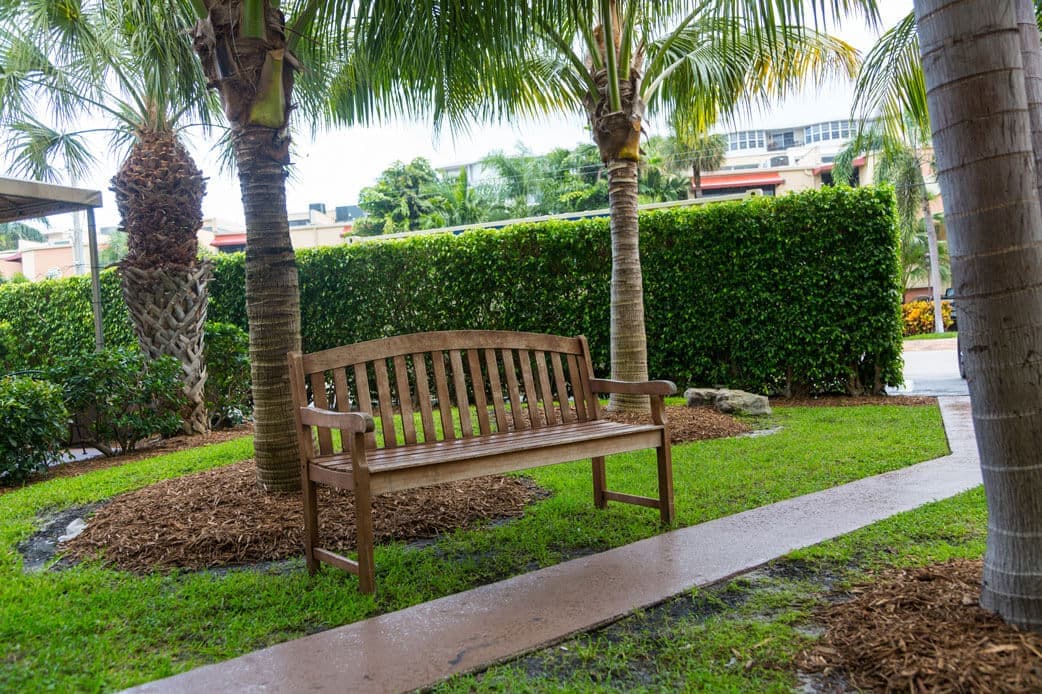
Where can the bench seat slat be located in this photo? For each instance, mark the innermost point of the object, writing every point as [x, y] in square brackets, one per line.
[495, 444]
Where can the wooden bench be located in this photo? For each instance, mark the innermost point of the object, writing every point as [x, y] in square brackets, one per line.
[487, 402]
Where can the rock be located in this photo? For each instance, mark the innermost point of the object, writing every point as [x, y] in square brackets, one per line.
[728, 401]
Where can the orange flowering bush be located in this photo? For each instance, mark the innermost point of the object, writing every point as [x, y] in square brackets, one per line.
[917, 317]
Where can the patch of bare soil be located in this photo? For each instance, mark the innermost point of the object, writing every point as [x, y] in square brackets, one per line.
[922, 630]
[221, 517]
[853, 400]
[690, 423]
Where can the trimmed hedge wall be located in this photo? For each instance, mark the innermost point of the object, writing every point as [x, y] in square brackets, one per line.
[792, 294]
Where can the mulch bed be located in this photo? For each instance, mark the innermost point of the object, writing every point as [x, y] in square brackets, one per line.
[220, 517]
[921, 630]
[690, 423]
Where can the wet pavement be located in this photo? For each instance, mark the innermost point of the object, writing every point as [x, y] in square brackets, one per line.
[426, 643]
[931, 368]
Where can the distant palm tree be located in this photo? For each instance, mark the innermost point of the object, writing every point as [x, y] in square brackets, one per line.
[12, 232]
[698, 149]
[127, 64]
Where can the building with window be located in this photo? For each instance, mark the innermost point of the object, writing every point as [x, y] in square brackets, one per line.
[309, 229]
[782, 160]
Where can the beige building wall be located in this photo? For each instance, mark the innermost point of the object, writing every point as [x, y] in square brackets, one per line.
[317, 235]
[43, 262]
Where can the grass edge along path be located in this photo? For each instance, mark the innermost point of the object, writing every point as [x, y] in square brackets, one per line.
[93, 628]
[743, 634]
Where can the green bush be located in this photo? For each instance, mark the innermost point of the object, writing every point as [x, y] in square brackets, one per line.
[120, 396]
[35, 424]
[228, 397]
[795, 294]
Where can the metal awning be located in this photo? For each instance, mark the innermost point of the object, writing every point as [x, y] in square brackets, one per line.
[30, 199]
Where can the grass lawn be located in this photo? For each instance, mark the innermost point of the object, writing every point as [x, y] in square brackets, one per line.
[93, 628]
[933, 336]
[743, 635]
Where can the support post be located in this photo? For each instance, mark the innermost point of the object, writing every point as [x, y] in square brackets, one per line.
[95, 281]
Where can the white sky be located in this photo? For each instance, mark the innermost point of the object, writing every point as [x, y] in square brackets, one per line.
[334, 166]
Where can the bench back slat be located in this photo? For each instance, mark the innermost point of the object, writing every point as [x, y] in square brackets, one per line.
[383, 396]
[531, 396]
[442, 388]
[477, 381]
[495, 387]
[401, 377]
[459, 381]
[481, 382]
[423, 396]
[318, 389]
[545, 393]
[562, 389]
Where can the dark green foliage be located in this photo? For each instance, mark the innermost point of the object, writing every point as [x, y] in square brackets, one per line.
[120, 396]
[228, 397]
[35, 425]
[798, 293]
[53, 318]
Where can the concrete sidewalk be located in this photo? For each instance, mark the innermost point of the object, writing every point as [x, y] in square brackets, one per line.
[426, 643]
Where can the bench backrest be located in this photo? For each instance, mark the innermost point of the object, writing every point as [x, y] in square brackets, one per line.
[450, 384]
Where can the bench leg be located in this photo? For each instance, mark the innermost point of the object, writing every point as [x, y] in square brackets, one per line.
[599, 483]
[364, 521]
[665, 483]
[310, 491]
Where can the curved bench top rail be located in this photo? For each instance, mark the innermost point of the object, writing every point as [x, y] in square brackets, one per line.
[398, 345]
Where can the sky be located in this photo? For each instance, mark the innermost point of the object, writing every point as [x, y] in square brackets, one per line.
[333, 167]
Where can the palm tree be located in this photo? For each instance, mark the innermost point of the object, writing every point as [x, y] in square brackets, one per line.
[254, 52]
[618, 59]
[126, 64]
[697, 149]
[12, 232]
[977, 58]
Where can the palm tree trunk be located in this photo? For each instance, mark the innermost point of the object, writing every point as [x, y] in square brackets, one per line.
[167, 307]
[629, 351]
[982, 133]
[935, 264]
[696, 175]
[272, 307]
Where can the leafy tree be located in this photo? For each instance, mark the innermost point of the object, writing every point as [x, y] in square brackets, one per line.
[698, 150]
[11, 232]
[116, 250]
[616, 59]
[456, 202]
[128, 65]
[400, 199]
[660, 180]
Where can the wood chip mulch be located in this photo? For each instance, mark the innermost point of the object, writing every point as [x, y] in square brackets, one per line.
[921, 630]
[690, 423]
[221, 517]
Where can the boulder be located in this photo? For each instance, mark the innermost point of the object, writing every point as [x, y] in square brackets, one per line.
[727, 400]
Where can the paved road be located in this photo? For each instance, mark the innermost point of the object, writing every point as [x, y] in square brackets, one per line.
[931, 368]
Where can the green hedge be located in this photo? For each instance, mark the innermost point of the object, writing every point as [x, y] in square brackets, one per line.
[792, 293]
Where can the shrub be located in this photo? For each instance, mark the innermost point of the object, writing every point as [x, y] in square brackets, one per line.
[228, 397]
[790, 294]
[35, 424]
[917, 317]
[120, 396]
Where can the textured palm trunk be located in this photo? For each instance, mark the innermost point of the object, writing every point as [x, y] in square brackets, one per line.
[167, 308]
[696, 176]
[629, 349]
[979, 114]
[617, 134]
[272, 307]
[242, 47]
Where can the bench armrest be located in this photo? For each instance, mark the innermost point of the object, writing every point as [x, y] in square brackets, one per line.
[604, 385]
[355, 422]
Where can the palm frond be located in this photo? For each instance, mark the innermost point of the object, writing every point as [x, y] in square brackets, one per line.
[40, 152]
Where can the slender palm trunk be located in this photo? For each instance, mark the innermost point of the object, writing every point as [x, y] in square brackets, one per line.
[629, 349]
[935, 264]
[696, 176]
[979, 114]
[272, 306]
